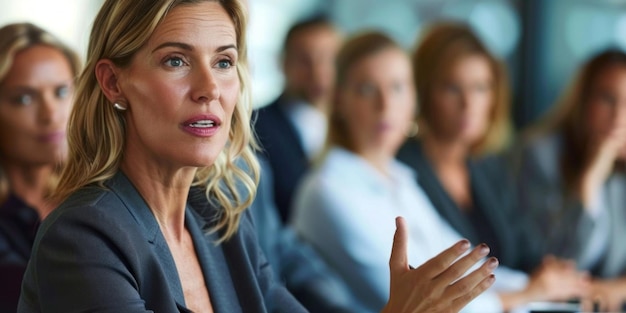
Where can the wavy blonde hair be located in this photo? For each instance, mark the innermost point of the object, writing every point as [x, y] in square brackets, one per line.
[443, 44]
[18, 37]
[96, 134]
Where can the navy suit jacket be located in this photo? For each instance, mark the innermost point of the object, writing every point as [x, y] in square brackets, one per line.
[102, 251]
[283, 149]
[493, 193]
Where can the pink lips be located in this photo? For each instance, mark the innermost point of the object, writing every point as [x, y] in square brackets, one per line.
[202, 125]
[52, 137]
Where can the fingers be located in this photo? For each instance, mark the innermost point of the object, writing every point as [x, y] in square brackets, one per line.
[440, 263]
[461, 266]
[469, 282]
[398, 260]
[467, 297]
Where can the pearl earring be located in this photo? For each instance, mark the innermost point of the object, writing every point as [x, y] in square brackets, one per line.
[415, 128]
[119, 107]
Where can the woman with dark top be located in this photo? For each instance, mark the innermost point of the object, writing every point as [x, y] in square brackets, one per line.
[36, 83]
[152, 217]
[571, 179]
[463, 101]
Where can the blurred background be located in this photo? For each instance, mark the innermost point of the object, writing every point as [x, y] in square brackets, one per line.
[541, 41]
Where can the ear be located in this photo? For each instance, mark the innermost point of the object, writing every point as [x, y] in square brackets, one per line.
[107, 76]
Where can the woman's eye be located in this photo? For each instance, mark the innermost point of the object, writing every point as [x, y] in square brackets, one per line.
[450, 88]
[607, 99]
[62, 92]
[24, 99]
[482, 87]
[175, 62]
[224, 64]
[398, 87]
[366, 90]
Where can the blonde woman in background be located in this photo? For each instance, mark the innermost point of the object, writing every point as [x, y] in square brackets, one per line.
[571, 180]
[152, 218]
[37, 76]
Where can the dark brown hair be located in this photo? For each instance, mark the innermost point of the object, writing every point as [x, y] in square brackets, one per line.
[568, 116]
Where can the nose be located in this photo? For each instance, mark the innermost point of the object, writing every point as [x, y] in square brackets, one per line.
[620, 113]
[384, 100]
[465, 98]
[205, 87]
[47, 109]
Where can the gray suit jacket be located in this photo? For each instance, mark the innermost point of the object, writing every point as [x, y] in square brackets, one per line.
[563, 221]
[102, 251]
[493, 194]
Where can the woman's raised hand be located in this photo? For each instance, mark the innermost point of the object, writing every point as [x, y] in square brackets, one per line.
[435, 285]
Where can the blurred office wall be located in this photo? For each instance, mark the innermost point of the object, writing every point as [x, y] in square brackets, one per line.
[70, 20]
[542, 41]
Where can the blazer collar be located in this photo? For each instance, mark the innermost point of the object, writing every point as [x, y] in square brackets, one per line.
[441, 200]
[211, 256]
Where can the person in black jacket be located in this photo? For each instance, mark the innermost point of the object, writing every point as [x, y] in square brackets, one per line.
[292, 129]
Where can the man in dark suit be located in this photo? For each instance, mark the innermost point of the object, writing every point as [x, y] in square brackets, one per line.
[292, 129]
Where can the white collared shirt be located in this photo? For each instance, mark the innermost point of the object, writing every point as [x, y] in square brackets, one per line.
[310, 124]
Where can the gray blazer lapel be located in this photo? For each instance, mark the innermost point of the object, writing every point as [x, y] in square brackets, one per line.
[214, 265]
[142, 214]
[439, 197]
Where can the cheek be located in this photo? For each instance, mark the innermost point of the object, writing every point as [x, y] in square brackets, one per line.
[483, 112]
[404, 112]
[230, 97]
[65, 110]
[599, 118]
[18, 122]
[16, 132]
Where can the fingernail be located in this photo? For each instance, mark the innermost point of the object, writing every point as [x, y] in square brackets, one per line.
[465, 244]
[484, 249]
[493, 263]
[491, 279]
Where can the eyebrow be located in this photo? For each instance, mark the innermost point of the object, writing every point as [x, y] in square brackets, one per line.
[188, 47]
[181, 45]
[224, 48]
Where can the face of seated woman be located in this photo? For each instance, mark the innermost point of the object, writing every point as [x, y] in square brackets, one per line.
[606, 107]
[180, 89]
[377, 101]
[35, 100]
[462, 101]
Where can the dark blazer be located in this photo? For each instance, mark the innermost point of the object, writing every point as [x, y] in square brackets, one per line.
[102, 251]
[18, 225]
[493, 194]
[562, 220]
[284, 151]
